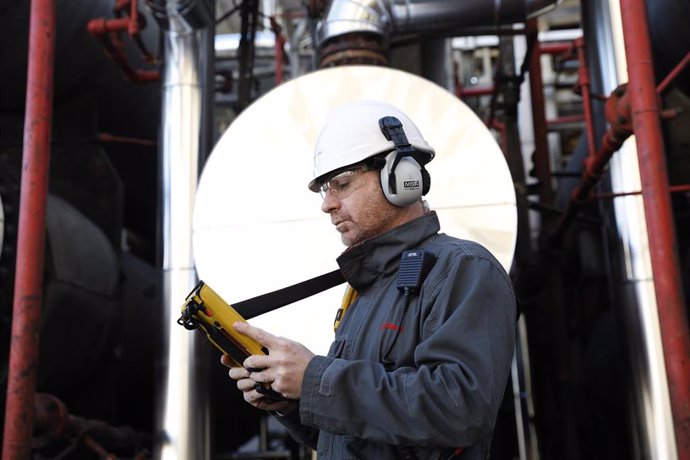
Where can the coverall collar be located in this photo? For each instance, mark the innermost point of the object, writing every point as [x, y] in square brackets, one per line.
[378, 256]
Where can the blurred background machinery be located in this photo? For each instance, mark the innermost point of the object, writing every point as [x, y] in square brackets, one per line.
[109, 110]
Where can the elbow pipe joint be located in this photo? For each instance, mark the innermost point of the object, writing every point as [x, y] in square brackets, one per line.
[376, 21]
[181, 15]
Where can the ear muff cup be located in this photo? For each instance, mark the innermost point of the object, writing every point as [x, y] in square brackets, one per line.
[406, 184]
[426, 181]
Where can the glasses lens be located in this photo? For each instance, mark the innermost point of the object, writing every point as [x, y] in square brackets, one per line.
[343, 184]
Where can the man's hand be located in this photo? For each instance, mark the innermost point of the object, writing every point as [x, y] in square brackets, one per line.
[246, 386]
[283, 368]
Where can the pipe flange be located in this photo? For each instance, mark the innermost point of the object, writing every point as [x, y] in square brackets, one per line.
[618, 113]
[353, 49]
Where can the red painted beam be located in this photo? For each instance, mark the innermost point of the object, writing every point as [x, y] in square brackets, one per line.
[21, 384]
[556, 48]
[645, 106]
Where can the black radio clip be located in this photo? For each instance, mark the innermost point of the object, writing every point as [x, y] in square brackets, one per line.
[414, 266]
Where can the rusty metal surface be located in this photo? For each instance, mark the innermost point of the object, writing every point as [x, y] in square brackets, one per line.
[21, 381]
[663, 247]
[353, 49]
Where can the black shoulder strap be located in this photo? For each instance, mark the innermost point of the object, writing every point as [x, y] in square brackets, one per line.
[273, 300]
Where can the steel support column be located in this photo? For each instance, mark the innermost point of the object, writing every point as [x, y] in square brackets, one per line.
[645, 105]
[26, 319]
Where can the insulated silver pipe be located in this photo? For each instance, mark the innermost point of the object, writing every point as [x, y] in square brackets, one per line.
[388, 17]
[182, 411]
[652, 428]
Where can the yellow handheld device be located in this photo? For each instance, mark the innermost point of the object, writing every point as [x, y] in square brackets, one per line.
[205, 310]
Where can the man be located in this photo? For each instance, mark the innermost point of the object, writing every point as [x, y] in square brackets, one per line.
[421, 358]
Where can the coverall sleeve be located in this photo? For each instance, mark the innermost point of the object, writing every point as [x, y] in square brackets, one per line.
[301, 433]
[452, 394]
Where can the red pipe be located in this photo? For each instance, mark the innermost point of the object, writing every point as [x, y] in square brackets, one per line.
[619, 116]
[108, 31]
[475, 91]
[645, 105]
[583, 83]
[674, 73]
[102, 26]
[21, 382]
[555, 48]
[280, 42]
[107, 137]
[617, 113]
[115, 49]
[672, 189]
[564, 120]
[133, 28]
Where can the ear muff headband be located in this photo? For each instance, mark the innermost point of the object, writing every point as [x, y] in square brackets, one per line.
[403, 180]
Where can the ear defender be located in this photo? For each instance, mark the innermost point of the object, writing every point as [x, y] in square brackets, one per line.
[403, 180]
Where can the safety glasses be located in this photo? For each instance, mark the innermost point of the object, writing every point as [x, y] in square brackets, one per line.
[343, 184]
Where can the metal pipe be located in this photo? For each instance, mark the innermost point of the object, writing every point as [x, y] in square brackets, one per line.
[366, 26]
[385, 17]
[650, 421]
[606, 196]
[54, 426]
[583, 83]
[249, 11]
[108, 33]
[107, 137]
[463, 92]
[645, 104]
[536, 86]
[618, 115]
[182, 412]
[26, 319]
[556, 48]
[564, 120]
[674, 73]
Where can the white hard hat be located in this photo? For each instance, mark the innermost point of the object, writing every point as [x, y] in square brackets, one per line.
[352, 134]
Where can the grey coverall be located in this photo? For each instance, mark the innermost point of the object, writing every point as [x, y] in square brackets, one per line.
[448, 366]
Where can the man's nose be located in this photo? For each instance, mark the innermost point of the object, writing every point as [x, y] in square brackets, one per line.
[330, 203]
